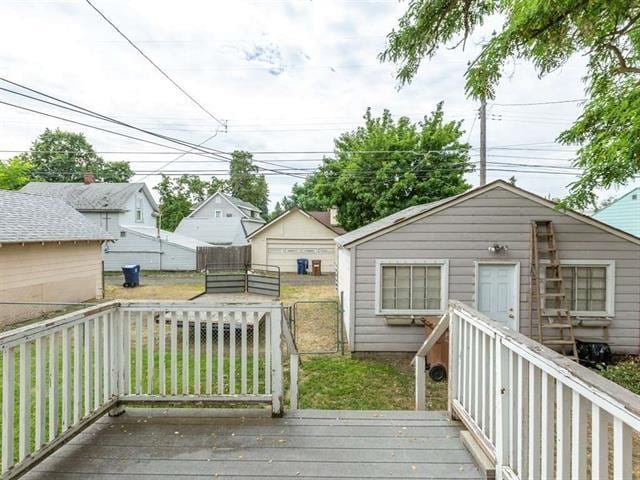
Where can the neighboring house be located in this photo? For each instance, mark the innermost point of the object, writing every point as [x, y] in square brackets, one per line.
[221, 220]
[129, 213]
[296, 234]
[48, 253]
[406, 266]
[154, 249]
[623, 213]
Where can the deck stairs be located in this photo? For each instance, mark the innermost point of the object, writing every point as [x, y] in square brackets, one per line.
[549, 305]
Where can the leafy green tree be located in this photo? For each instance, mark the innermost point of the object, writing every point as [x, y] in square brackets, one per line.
[59, 156]
[178, 196]
[246, 183]
[15, 173]
[387, 165]
[277, 211]
[548, 34]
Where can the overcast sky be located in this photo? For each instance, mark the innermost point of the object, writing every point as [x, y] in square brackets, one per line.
[287, 75]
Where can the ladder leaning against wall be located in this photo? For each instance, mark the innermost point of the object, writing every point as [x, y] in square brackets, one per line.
[549, 306]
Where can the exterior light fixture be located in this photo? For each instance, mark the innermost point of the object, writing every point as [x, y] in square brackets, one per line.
[498, 249]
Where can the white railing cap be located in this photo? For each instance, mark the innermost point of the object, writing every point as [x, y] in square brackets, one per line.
[562, 368]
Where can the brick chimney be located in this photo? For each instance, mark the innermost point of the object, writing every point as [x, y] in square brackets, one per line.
[89, 178]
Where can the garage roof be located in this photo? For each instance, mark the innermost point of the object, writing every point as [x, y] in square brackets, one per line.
[321, 217]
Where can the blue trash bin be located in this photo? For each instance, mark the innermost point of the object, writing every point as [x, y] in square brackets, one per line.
[303, 265]
[131, 276]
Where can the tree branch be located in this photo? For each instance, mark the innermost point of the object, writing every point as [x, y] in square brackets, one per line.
[624, 67]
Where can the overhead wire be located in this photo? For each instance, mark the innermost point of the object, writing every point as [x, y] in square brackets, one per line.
[156, 66]
[207, 151]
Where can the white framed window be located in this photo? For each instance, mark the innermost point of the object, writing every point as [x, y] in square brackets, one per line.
[139, 210]
[411, 287]
[589, 286]
[218, 213]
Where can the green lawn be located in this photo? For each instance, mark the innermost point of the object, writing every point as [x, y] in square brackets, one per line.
[382, 384]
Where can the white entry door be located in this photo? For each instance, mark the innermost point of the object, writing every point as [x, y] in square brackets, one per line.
[497, 292]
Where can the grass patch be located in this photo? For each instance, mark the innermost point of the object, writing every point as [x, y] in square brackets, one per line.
[625, 374]
[355, 384]
[154, 292]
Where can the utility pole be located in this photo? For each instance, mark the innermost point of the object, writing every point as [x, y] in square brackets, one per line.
[483, 141]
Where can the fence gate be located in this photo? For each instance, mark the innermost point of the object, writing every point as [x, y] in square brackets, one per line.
[317, 327]
[254, 278]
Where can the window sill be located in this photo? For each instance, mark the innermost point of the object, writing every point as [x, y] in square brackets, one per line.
[405, 313]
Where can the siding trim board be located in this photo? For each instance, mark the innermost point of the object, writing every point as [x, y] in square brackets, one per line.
[498, 184]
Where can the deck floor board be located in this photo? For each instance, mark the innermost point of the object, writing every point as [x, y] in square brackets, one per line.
[243, 444]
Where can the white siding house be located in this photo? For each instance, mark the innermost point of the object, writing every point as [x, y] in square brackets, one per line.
[406, 266]
[153, 249]
[221, 220]
[129, 213]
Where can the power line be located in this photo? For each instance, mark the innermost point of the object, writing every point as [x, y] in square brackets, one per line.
[157, 67]
[84, 111]
[550, 102]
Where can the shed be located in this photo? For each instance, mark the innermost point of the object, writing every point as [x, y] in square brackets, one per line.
[402, 269]
[153, 249]
[296, 234]
[48, 253]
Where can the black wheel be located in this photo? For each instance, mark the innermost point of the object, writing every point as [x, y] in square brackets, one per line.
[125, 284]
[438, 373]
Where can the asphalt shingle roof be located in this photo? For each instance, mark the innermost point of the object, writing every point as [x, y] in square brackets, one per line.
[35, 218]
[392, 219]
[92, 197]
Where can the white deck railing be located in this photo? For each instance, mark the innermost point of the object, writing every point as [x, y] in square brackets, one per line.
[529, 407]
[59, 375]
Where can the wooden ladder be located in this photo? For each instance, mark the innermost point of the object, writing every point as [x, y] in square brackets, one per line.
[549, 304]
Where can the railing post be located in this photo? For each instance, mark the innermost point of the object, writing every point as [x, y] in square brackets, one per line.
[420, 366]
[117, 360]
[452, 368]
[276, 362]
[294, 360]
[502, 395]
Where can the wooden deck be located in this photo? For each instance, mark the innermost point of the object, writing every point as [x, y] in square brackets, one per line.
[242, 444]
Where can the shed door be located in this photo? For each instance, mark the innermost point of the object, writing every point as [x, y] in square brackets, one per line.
[497, 292]
[284, 253]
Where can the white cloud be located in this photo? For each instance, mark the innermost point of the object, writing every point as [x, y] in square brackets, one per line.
[288, 75]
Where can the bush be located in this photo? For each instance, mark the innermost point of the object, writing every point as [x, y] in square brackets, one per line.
[625, 374]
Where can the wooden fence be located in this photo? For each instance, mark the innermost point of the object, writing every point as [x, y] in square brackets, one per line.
[222, 256]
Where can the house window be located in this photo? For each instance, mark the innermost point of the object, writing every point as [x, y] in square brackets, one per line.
[139, 212]
[411, 287]
[229, 215]
[123, 234]
[589, 288]
[218, 213]
[634, 197]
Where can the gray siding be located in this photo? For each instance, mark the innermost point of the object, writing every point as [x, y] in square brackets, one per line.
[150, 253]
[462, 234]
[209, 210]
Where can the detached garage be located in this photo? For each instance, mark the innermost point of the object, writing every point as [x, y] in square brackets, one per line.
[296, 234]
